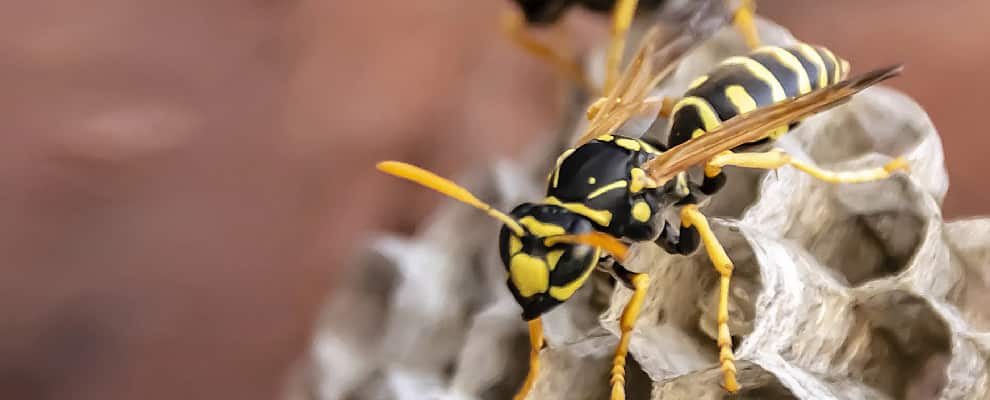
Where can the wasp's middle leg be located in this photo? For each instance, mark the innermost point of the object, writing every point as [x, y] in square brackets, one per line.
[691, 217]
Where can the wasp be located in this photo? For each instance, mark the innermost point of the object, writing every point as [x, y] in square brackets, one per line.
[543, 13]
[609, 191]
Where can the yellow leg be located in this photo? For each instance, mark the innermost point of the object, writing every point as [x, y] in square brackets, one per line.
[535, 344]
[777, 158]
[622, 16]
[690, 216]
[514, 26]
[744, 21]
[618, 379]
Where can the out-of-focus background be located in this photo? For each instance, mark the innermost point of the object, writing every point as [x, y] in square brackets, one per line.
[179, 180]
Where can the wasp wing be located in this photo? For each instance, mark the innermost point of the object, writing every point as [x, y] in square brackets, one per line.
[657, 55]
[755, 124]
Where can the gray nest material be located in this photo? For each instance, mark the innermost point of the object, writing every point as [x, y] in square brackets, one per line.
[840, 291]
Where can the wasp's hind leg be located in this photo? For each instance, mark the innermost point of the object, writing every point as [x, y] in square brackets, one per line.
[744, 20]
[690, 216]
[778, 158]
[535, 345]
[638, 283]
[514, 27]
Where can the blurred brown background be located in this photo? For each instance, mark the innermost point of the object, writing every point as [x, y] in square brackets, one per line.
[179, 179]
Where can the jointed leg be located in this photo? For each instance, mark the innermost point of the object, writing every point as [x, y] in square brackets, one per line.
[514, 26]
[690, 216]
[622, 16]
[744, 21]
[777, 158]
[639, 283]
[535, 344]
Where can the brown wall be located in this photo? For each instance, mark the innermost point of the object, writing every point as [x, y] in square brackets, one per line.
[178, 180]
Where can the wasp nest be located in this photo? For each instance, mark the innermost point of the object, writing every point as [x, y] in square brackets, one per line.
[839, 292]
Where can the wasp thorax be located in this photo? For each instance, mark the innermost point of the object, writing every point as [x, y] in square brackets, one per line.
[541, 276]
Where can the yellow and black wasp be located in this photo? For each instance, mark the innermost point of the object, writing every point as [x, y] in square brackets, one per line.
[542, 13]
[609, 190]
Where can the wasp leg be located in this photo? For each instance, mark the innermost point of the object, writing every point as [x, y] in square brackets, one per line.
[777, 158]
[622, 16]
[535, 344]
[639, 283]
[690, 216]
[514, 26]
[743, 19]
[685, 243]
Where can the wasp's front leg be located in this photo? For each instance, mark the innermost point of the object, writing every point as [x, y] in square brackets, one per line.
[638, 283]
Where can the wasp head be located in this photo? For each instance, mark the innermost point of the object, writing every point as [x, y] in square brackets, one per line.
[541, 273]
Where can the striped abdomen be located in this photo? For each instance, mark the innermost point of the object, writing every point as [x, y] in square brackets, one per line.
[741, 84]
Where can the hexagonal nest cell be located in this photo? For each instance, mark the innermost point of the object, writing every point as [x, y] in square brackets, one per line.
[839, 291]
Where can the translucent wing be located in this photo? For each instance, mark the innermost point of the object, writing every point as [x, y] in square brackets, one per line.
[755, 124]
[656, 56]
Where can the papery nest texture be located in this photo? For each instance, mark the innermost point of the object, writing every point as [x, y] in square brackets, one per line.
[853, 291]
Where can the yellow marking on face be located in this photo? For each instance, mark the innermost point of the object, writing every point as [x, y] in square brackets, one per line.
[611, 186]
[592, 180]
[638, 180]
[605, 138]
[740, 98]
[541, 229]
[560, 160]
[708, 116]
[759, 72]
[792, 63]
[697, 82]
[641, 211]
[628, 144]
[564, 292]
[528, 274]
[810, 54]
[836, 73]
[600, 217]
[553, 257]
[515, 245]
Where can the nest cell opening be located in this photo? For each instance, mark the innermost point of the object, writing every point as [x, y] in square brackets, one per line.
[908, 348]
[873, 232]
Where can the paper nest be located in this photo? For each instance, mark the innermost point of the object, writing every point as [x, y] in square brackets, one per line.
[839, 292]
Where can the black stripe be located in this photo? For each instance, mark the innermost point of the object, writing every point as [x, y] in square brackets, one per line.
[829, 64]
[683, 124]
[810, 67]
[787, 77]
[713, 90]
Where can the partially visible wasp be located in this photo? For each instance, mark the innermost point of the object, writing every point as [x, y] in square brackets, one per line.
[541, 13]
[609, 190]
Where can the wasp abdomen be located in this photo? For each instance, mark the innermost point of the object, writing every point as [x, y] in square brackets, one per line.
[744, 83]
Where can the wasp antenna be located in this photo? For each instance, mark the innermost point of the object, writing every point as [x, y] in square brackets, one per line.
[595, 239]
[433, 181]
